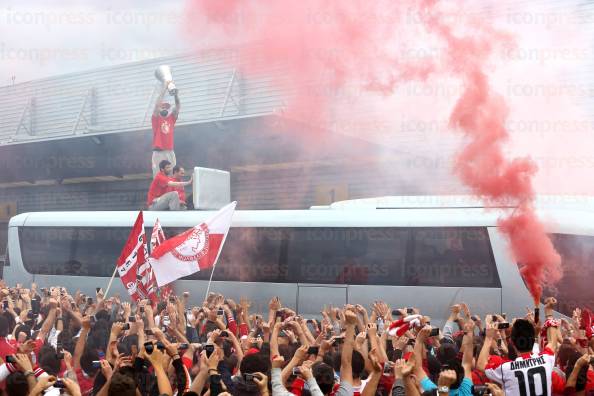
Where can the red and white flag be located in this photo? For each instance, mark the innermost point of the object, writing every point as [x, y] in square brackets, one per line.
[157, 236]
[193, 250]
[133, 261]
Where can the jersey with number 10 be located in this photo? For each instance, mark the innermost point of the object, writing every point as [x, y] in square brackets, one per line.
[529, 375]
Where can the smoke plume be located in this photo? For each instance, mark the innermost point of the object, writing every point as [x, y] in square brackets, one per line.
[331, 50]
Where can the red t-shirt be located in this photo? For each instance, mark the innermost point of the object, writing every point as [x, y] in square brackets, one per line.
[158, 187]
[180, 190]
[7, 348]
[85, 382]
[163, 131]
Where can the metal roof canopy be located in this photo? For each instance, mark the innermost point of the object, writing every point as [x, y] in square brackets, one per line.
[120, 98]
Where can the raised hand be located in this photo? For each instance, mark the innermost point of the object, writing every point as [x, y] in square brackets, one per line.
[374, 360]
[350, 318]
[403, 369]
[274, 304]
[278, 362]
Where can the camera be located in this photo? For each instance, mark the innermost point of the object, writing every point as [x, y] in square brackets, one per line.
[224, 333]
[503, 325]
[338, 340]
[434, 332]
[10, 359]
[313, 350]
[5, 304]
[132, 319]
[183, 346]
[410, 310]
[160, 345]
[126, 326]
[89, 300]
[171, 299]
[396, 312]
[96, 363]
[35, 305]
[388, 367]
[209, 348]
[141, 309]
[296, 371]
[220, 312]
[479, 390]
[149, 347]
[60, 351]
[248, 377]
[59, 383]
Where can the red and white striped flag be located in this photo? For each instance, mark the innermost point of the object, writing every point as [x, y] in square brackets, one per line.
[133, 261]
[157, 238]
[193, 250]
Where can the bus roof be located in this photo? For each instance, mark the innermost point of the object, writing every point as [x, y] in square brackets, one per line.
[570, 215]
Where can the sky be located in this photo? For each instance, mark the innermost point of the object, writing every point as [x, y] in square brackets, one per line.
[42, 38]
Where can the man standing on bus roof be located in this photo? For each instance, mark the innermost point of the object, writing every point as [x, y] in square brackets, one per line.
[160, 195]
[163, 122]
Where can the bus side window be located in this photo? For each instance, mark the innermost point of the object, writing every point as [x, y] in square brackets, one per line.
[452, 256]
[574, 290]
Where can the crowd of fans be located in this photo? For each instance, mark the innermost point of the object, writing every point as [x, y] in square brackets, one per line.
[52, 342]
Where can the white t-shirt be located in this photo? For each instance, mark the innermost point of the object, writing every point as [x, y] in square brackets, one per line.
[529, 375]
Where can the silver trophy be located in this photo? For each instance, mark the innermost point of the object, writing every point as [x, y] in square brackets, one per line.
[163, 74]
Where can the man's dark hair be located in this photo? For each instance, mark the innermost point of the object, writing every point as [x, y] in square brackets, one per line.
[121, 385]
[4, 326]
[455, 365]
[16, 384]
[255, 363]
[324, 375]
[522, 335]
[163, 164]
[23, 328]
[86, 361]
[582, 377]
[358, 364]
[48, 360]
[446, 352]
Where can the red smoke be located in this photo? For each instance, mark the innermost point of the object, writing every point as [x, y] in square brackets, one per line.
[325, 47]
[480, 113]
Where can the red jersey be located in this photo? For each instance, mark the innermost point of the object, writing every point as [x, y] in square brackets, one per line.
[158, 187]
[163, 131]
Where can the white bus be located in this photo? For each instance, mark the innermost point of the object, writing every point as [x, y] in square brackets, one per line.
[423, 251]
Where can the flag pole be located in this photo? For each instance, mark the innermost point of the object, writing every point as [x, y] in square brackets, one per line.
[110, 282]
[234, 203]
[210, 281]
